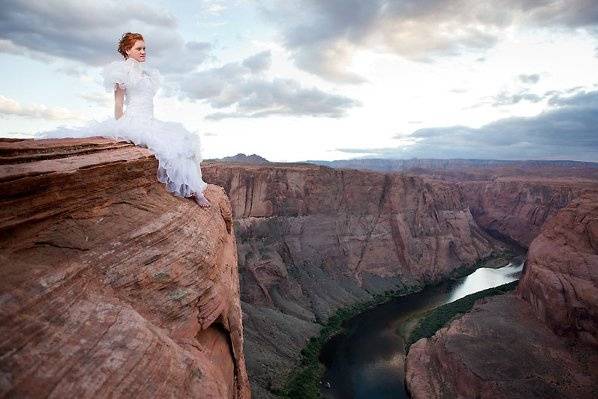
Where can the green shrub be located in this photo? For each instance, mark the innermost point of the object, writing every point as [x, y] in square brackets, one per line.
[303, 383]
[439, 317]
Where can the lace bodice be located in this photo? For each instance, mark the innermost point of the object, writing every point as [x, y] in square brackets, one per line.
[140, 83]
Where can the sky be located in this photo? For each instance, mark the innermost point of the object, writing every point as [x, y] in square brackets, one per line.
[321, 79]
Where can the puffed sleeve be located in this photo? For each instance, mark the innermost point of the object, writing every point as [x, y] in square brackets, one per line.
[116, 72]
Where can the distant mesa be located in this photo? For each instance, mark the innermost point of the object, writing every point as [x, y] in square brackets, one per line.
[242, 158]
[394, 165]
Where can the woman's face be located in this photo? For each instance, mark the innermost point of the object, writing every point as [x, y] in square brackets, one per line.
[137, 52]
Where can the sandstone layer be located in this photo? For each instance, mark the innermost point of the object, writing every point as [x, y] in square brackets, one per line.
[561, 278]
[110, 286]
[510, 199]
[312, 239]
[500, 350]
[517, 208]
[540, 343]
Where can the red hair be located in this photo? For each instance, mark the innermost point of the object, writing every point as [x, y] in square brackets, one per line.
[127, 41]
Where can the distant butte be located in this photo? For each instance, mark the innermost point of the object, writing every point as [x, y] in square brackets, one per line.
[242, 158]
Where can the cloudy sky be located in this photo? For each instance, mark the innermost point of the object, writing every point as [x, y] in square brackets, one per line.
[322, 79]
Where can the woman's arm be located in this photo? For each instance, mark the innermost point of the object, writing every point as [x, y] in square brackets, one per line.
[119, 99]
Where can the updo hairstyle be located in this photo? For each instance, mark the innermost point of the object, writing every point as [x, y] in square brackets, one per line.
[127, 41]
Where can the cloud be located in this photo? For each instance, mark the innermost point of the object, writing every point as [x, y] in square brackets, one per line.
[504, 98]
[213, 7]
[8, 47]
[533, 78]
[258, 62]
[569, 131]
[88, 32]
[244, 87]
[579, 100]
[98, 98]
[323, 34]
[11, 108]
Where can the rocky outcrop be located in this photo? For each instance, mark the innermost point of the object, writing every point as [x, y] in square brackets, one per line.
[561, 277]
[518, 208]
[500, 350]
[242, 158]
[110, 286]
[312, 239]
[540, 343]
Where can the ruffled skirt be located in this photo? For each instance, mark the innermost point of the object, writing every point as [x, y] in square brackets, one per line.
[178, 151]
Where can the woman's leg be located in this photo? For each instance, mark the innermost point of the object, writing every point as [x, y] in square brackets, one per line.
[199, 197]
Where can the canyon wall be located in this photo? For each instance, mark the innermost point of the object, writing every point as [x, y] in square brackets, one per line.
[561, 278]
[540, 342]
[472, 169]
[110, 286]
[312, 239]
[510, 199]
[517, 208]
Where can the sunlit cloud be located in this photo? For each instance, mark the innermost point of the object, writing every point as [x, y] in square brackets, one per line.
[12, 108]
[568, 131]
[245, 87]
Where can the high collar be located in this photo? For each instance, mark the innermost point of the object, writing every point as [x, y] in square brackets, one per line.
[136, 64]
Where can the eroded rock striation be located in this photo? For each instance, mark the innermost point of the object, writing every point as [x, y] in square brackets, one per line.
[561, 279]
[538, 343]
[110, 286]
[509, 199]
[517, 208]
[312, 239]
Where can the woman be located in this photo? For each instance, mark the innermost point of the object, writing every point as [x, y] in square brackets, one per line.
[177, 149]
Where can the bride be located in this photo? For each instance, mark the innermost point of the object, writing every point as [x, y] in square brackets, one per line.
[177, 149]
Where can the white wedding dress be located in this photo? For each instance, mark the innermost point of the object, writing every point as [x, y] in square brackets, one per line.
[177, 149]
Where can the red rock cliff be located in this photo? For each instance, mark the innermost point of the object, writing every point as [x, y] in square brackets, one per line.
[518, 207]
[373, 224]
[110, 286]
[561, 277]
[312, 239]
[541, 343]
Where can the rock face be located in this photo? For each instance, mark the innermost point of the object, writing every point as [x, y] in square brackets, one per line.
[518, 208]
[312, 239]
[500, 350]
[110, 286]
[511, 199]
[540, 343]
[561, 279]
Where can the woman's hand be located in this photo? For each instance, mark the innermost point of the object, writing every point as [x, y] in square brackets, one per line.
[119, 99]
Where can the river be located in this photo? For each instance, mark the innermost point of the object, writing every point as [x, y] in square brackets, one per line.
[367, 359]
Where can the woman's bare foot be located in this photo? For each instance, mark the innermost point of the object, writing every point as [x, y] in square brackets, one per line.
[202, 201]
